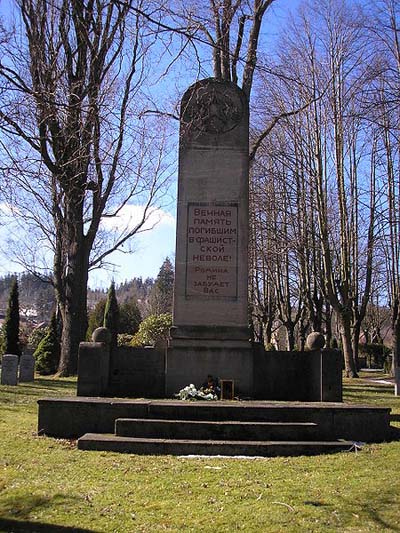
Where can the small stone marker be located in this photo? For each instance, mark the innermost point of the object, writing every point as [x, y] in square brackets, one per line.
[9, 369]
[94, 364]
[26, 368]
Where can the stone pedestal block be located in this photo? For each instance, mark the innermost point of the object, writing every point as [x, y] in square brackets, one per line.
[314, 376]
[331, 375]
[93, 368]
[138, 372]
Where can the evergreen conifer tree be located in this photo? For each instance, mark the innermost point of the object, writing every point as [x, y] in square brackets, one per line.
[47, 354]
[96, 318]
[162, 292]
[111, 315]
[129, 317]
[10, 333]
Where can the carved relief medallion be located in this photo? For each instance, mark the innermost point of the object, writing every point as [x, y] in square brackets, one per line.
[213, 107]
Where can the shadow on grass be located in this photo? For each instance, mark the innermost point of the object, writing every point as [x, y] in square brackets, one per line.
[394, 433]
[18, 508]
[315, 503]
[41, 387]
[386, 500]
[370, 388]
[20, 505]
[65, 383]
[48, 382]
[25, 526]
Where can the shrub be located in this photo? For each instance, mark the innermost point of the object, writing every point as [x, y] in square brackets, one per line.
[36, 336]
[162, 290]
[153, 329]
[124, 339]
[96, 318]
[269, 347]
[129, 317]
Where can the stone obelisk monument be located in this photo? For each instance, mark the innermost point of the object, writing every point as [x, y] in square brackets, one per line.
[210, 334]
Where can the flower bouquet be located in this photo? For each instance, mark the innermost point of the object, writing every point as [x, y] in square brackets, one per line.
[191, 393]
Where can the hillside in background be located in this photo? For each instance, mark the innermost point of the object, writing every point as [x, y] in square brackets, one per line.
[37, 298]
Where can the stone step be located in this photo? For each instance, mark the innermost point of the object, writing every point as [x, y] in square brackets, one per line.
[231, 410]
[215, 430]
[72, 417]
[143, 446]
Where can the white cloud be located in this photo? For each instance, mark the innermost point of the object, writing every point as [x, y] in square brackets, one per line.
[142, 256]
[145, 253]
[7, 211]
[131, 215]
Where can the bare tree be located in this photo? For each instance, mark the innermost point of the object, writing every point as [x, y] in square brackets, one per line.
[71, 75]
[262, 297]
[391, 224]
[384, 31]
[230, 29]
[328, 149]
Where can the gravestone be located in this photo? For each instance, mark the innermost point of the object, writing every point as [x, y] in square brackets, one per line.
[26, 368]
[210, 332]
[9, 369]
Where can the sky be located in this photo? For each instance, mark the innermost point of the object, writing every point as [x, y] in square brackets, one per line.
[148, 250]
[143, 256]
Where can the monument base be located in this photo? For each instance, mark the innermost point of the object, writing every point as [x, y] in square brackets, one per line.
[194, 352]
[192, 362]
[226, 353]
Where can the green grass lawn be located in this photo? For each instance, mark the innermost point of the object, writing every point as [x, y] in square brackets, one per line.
[48, 485]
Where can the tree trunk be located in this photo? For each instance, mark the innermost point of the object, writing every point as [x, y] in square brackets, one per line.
[328, 325]
[290, 336]
[71, 285]
[345, 334]
[268, 321]
[396, 349]
[355, 343]
[74, 317]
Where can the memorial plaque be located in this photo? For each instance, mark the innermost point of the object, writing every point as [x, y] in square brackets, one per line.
[9, 369]
[212, 245]
[26, 368]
